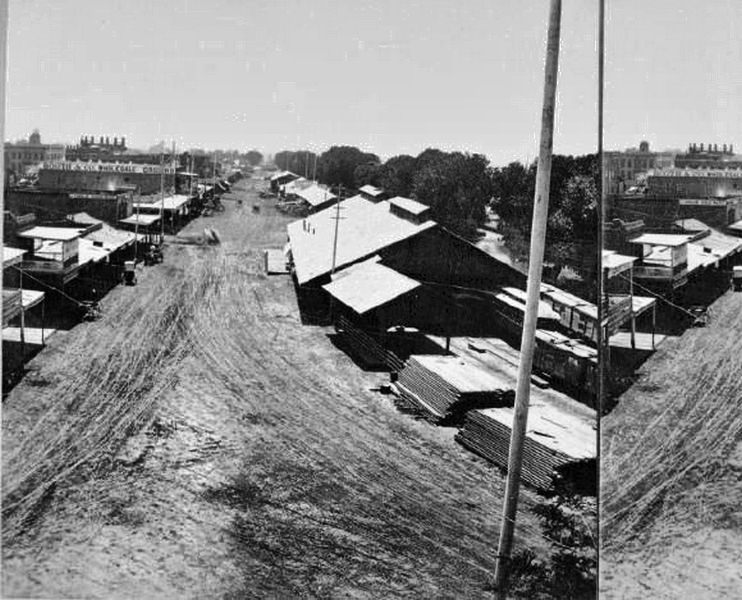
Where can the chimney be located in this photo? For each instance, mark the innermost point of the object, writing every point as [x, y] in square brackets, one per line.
[101, 140]
[108, 143]
[701, 146]
[716, 147]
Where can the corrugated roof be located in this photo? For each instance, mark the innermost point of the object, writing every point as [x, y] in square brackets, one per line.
[368, 285]
[365, 228]
[51, 233]
[553, 428]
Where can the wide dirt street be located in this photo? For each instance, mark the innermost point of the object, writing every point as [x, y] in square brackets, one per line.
[671, 469]
[199, 442]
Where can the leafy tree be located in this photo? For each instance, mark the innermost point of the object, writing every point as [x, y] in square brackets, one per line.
[397, 175]
[569, 521]
[338, 164]
[571, 229]
[457, 187]
[367, 173]
[254, 158]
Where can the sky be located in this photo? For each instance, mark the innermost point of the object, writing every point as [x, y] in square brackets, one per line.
[673, 73]
[389, 76]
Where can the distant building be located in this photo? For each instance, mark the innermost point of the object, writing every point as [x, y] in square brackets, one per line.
[695, 183]
[20, 156]
[712, 195]
[624, 168]
[105, 177]
[102, 150]
[710, 157]
[49, 205]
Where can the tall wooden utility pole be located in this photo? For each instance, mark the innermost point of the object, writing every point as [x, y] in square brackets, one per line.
[337, 227]
[535, 265]
[162, 194]
[603, 339]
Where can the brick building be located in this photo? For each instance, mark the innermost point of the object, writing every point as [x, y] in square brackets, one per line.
[21, 156]
[623, 168]
[105, 177]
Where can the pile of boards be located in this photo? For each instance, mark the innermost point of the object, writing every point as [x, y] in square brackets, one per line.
[366, 347]
[553, 438]
[444, 387]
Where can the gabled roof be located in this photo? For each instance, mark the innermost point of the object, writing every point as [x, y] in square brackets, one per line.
[292, 187]
[315, 195]
[282, 174]
[368, 285]
[365, 228]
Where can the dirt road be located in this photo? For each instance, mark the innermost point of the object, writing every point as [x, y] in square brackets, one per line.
[671, 469]
[261, 463]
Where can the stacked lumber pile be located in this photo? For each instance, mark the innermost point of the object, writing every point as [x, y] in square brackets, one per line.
[11, 304]
[445, 387]
[554, 438]
[367, 348]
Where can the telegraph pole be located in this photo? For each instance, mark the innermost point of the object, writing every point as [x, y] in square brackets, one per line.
[162, 195]
[535, 265]
[337, 226]
[603, 339]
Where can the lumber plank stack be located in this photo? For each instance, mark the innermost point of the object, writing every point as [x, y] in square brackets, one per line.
[553, 439]
[445, 387]
[367, 348]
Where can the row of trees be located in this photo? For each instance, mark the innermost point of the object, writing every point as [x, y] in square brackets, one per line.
[573, 219]
[459, 187]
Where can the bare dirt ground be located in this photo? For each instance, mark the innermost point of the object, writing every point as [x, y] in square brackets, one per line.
[671, 469]
[241, 456]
